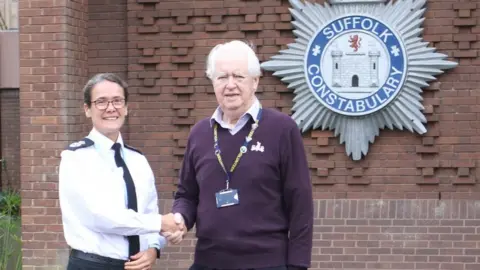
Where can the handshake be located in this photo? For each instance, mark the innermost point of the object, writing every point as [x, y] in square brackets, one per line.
[173, 227]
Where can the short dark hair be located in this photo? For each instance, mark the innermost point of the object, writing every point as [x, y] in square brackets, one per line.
[98, 78]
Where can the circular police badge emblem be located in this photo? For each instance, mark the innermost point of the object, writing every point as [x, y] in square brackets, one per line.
[355, 65]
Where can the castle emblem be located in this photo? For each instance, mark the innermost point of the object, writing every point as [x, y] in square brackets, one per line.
[358, 67]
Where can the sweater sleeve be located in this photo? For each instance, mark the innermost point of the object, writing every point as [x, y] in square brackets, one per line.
[186, 197]
[298, 198]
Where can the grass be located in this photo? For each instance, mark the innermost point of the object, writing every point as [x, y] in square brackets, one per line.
[10, 231]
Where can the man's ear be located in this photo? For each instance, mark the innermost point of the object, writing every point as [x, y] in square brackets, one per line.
[255, 84]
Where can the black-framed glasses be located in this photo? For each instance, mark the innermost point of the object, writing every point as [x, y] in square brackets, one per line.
[102, 104]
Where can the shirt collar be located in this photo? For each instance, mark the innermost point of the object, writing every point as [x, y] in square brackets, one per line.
[252, 111]
[102, 142]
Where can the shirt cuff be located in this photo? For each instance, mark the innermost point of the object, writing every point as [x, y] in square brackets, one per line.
[154, 223]
[157, 248]
[157, 241]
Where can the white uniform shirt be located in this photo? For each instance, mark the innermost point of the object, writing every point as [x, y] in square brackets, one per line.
[93, 199]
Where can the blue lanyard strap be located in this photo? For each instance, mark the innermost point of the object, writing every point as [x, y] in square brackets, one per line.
[243, 148]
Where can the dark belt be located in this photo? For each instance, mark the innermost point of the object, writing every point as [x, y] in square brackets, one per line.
[95, 258]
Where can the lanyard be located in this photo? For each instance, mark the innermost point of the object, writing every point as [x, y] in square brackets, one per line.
[243, 148]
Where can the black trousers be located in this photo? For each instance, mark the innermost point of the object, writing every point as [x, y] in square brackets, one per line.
[200, 267]
[82, 264]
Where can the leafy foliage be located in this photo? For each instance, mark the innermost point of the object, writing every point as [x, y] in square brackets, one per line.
[10, 230]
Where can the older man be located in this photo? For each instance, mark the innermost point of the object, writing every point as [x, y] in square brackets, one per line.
[244, 181]
[107, 190]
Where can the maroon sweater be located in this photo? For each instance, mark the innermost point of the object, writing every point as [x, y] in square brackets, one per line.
[273, 223]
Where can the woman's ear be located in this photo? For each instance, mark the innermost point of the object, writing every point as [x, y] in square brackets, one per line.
[88, 113]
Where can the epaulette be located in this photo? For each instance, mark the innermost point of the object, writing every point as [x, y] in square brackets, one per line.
[133, 149]
[85, 142]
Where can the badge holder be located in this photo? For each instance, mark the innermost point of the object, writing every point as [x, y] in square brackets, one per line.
[227, 197]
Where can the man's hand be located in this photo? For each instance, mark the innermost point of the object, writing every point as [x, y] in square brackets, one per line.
[144, 260]
[176, 237]
[169, 224]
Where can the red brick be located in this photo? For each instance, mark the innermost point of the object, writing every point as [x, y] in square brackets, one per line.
[464, 13]
[251, 27]
[465, 22]
[464, 45]
[285, 17]
[250, 18]
[464, 5]
[465, 37]
[216, 28]
[465, 54]
[216, 19]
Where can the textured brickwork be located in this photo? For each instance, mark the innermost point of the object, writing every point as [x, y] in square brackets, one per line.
[107, 37]
[107, 43]
[168, 43]
[412, 203]
[53, 60]
[10, 139]
[380, 234]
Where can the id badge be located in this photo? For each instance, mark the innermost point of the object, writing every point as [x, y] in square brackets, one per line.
[226, 198]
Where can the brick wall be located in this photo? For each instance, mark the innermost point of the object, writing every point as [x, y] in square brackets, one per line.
[107, 37]
[53, 60]
[388, 211]
[107, 42]
[380, 234]
[10, 138]
[168, 43]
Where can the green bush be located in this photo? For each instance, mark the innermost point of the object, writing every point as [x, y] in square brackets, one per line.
[10, 203]
[10, 231]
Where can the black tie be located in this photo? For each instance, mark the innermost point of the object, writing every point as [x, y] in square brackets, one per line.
[133, 240]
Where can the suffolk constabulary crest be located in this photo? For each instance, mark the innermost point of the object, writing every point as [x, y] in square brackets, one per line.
[358, 66]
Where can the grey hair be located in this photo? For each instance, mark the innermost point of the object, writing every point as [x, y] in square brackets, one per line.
[253, 62]
[98, 78]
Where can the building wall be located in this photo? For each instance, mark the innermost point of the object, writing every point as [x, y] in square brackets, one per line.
[168, 45]
[380, 234]
[53, 69]
[107, 42]
[9, 110]
[107, 37]
[412, 203]
[10, 138]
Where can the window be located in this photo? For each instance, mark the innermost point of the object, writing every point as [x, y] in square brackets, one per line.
[8, 15]
[374, 66]
[336, 65]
